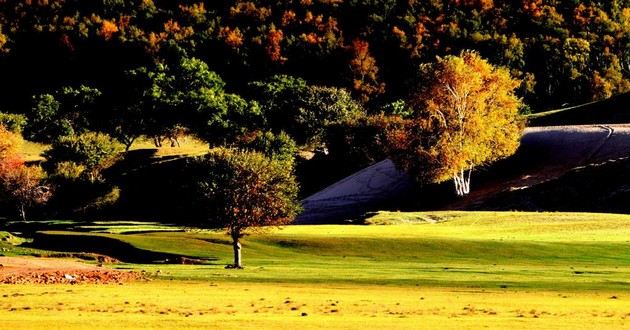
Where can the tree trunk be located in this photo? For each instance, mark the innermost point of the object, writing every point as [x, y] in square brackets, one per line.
[128, 143]
[237, 254]
[462, 182]
[157, 140]
[22, 212]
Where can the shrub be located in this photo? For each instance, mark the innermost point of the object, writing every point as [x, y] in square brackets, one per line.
[94, 151]
[279, 147]
[13, 122]
[68, 170]
[9, 142]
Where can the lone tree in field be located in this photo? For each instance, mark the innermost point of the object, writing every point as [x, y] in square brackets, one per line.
[245, 190]
[466, 115]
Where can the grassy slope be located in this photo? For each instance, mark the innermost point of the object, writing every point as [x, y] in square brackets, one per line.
[550, 251]
[32, 151]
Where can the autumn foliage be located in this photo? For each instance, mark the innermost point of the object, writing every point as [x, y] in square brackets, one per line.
[20, 184]
[370, 47]
[466, 115]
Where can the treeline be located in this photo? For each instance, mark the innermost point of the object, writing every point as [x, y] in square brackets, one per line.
[564, 51]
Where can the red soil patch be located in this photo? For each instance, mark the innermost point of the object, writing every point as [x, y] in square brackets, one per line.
[14, 270]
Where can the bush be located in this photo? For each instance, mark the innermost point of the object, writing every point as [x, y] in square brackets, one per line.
[13, 122]
[94, 151]
[279, 147]
[68, 170]
[362, 142]
[9, 142]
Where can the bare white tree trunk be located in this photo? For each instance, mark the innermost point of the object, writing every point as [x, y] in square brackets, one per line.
[462, 181]
[458, 184]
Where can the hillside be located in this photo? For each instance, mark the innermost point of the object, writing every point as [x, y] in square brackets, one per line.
[553, 165]
[565, 51]
[615, 110]
[558, 168]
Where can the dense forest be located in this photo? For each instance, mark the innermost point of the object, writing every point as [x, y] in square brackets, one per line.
[90, 77]
[564, 51]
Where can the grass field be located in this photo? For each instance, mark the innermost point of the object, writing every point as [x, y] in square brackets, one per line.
[189, 146]
[436, 269]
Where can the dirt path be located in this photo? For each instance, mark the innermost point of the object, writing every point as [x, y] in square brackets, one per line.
[20, 270]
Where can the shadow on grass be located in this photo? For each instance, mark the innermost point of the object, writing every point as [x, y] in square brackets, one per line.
[114, 248]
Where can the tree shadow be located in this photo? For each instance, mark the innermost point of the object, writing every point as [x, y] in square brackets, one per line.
[111, 247]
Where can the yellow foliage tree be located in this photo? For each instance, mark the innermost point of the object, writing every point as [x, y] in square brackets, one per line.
[466, 116]
[9, 143]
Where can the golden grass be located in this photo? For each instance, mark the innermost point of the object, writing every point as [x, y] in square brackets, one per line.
[537, 226]
[189, 145]
[32, 151]
[171, 305]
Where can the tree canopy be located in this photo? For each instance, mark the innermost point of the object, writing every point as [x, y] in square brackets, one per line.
[564, 51]
[466, 115]
[244, 190]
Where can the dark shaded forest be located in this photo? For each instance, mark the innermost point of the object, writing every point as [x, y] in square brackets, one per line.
[564, 51]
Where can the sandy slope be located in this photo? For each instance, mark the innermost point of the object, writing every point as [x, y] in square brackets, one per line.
[546, 153]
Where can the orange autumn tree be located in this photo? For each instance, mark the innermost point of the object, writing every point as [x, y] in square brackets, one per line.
[466, 116]
[20, 184]
[364, 71]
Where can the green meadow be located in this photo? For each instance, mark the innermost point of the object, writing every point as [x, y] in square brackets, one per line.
[463, 269]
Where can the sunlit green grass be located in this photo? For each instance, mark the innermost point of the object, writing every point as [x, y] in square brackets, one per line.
[551, 251]
[432, 269]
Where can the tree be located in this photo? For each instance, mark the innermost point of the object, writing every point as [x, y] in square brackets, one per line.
[23, 184]
[321, 107]
[88, 153]
[19, 183]
[364, 71]
[69, 110]
[244, 190]
[166, 100]
[302, 111]
[356, 144]
[466, 116]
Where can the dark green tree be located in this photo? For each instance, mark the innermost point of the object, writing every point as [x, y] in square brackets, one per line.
[244, 191]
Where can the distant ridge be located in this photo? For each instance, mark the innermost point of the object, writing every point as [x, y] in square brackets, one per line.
[615, 110]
